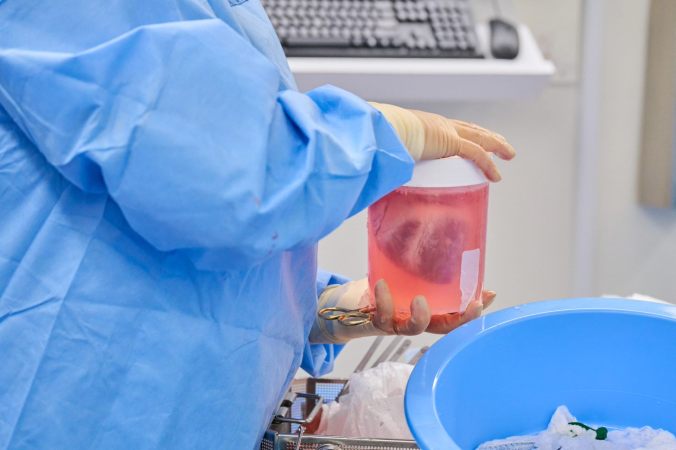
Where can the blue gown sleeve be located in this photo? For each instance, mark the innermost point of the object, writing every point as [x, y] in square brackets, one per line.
[318, 359]
[187, 127]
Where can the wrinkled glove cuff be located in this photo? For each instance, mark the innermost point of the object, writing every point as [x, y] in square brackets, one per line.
[408, 126]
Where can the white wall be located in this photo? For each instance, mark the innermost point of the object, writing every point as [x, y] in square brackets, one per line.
[636, 245]
[529, 250]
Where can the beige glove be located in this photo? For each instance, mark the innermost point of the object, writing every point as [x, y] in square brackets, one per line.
[431, 136]
[383, 319]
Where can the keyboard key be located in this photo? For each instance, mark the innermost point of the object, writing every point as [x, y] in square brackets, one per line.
[447, 45]
[384, 41]
[389, 24]
[310, 42]
[383, 33]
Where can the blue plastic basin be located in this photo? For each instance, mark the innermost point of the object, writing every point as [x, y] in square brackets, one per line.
[611, 361]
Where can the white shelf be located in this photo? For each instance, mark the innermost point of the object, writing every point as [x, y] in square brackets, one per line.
[405, 79]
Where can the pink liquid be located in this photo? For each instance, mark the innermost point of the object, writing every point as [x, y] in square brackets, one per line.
[431, 242]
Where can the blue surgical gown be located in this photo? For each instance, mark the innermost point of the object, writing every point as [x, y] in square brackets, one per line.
[163, 186]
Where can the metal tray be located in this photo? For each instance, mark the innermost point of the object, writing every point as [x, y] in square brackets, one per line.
[298, 415]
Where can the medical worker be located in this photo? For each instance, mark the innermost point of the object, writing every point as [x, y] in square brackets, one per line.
[163, 186]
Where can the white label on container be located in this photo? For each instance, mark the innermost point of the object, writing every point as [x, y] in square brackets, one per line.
[469, 276]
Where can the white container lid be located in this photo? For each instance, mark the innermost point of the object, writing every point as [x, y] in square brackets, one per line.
[447, 172]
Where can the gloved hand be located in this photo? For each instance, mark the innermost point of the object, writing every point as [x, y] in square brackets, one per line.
[384, 319]
[431, 136]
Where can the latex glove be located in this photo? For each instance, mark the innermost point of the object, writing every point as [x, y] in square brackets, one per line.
[431, 136]
[384, 320]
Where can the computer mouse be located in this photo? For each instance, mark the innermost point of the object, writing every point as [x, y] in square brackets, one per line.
[504, 39]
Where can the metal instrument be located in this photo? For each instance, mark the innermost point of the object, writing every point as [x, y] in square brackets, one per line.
[347, 317]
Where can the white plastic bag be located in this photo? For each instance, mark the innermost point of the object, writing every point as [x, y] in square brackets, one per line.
[561, 435]
[373, 407]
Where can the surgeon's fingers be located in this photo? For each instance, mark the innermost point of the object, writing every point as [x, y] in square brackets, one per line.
[445, 323]
[475, 127]
[488, 140]
[417, 322]
[475, 153]
[384, 313]
[487, 297]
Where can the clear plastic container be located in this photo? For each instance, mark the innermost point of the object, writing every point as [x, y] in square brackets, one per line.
[429, 236]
